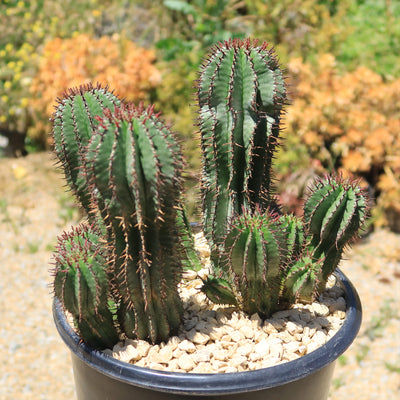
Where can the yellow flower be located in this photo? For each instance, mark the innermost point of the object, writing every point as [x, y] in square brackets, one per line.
[36, 27]
[3, 118]
[20, 4]
[17, 77]
[27, 46]
[4, 98]
[19, 171]
[96, 13]
[2, 53]
[11, 64]
[24, 102]
[9, 47]
[27, 15]
[7, 85]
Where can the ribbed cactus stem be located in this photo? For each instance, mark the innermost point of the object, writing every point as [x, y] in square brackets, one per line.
[254, 253]
[293, 231]
[134, 164]
[334, 213]
[74, 123]
[303, 281]
[81, 283]
[241, 93]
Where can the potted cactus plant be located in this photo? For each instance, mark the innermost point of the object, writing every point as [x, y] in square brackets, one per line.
[117, 274]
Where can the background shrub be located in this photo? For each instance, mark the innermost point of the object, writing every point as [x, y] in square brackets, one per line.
[348, 121]
[113, 61]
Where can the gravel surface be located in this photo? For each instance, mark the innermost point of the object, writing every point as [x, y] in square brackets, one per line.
[35, 364]
[220, 339]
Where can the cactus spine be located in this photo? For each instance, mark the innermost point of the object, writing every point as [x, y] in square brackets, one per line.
[241, 93]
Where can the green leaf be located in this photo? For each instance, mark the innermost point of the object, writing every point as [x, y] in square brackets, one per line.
[181, 6]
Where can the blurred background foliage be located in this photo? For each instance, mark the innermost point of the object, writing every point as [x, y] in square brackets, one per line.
[342, 69]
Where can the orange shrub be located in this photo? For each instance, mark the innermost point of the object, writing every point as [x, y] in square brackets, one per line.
[349, 121]
[64, 63]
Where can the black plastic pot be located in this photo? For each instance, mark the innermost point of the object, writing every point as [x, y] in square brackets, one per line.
[100, 377]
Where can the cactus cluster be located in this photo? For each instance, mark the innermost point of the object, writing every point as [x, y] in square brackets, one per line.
[264, 260]
[124, 165]
[118, 273]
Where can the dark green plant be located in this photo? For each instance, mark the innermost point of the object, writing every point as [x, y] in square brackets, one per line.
[124, 165]
[118, 275]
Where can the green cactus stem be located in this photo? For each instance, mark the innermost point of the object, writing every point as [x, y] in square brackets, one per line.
[334, 212]
[241, 94]
[134, 164]
[254, 254]
[191, 258]
[220, 291]
[74, 123]
[293, 229]
[81, 284]
[302, 281]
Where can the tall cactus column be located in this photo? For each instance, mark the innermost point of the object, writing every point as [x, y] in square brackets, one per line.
[241, 93]
[134, 164]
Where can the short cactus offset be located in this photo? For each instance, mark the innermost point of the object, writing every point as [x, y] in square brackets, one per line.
[333, 213]
[81, 283]
[254, 254]
[241, 93]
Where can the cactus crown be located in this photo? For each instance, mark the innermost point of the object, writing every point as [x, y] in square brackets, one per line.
[118, 274]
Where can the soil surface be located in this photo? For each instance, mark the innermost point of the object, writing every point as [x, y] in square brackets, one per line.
[35, 363]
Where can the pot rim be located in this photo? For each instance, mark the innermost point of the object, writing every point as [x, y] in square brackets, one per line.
[218, 383]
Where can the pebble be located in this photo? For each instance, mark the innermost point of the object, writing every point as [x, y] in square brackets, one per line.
[186, 362]
[262, 348]
[197, 337]
[187, 346]
[245, 349]
[202, 355]
[320, 309]
[164, 355]
[247, 331]
[293, 328]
